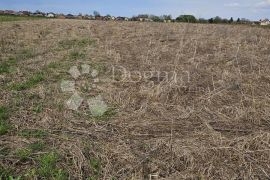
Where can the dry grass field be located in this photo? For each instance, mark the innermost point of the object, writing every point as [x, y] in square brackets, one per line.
[196, 103]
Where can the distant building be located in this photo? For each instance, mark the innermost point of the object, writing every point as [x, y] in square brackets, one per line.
[60, 16]
[264, 22]
[119, 18]
[25, 13]
[107, 18]
[38, 14]
[70, 16]
[99, 18]
[91, 17]
[50, 15]
[167, 21]
[79, 17]
[148, 20]
[9, 12]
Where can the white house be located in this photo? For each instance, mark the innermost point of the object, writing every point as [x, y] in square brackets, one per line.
[167, 21]
[265, 22]
[50, 15]
[148, 20]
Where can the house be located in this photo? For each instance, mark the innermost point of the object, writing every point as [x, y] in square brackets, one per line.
[38, 14]
[168, 21]
[91, 17]
[50, 15]
[69, 16]
[25, 13]
[256, 23]
[119, 18]
[99, 18]
[264, 22]
[79, 17]
[148, 20]
[60, 16]
[107, 18]
[9, 12]
[126, 19]
[113, 18]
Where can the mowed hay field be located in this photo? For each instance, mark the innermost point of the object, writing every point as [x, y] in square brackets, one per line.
[209, 120]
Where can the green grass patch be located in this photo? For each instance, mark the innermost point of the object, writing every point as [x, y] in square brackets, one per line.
[95, 166]
[4, 125]
[99, 67]
[76, 55]
[47, 167]
[33, 133]
[107, 115]
[25, 54]
[23, 154]
[5, 173]
[38, 108]
[4, 151]
[54, 65]
[37, 146]
[5, 18]
[31, 82]
[6, 66]
[71, 43]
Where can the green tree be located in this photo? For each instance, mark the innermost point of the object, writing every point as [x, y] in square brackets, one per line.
[202, 20]
[167, 17]
[231, 20]
[96, 14]
[186, 18]
[217, 19]
[155, 18]
[225, 21]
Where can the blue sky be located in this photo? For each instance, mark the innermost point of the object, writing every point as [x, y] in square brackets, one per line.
[251, 9]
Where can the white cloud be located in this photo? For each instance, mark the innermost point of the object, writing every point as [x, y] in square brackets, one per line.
[263, 4]
[235, 4]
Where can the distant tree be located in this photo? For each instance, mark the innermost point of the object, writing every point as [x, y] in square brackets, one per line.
[211, 20]
[143, 16]
[245, 21]
[134, 18]
[96, 14]
[238, 20]
[225, 21]
[167, 17]
[231, 20]
[202, 20]
[217, 19]
[186, 18]
[38, 12]
[155, 18]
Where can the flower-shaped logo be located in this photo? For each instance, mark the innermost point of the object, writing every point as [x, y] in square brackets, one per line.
[96, 104]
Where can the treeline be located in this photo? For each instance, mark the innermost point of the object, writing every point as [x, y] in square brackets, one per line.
[192, 19]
